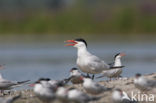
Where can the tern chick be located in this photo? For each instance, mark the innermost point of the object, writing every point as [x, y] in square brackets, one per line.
[86, 61]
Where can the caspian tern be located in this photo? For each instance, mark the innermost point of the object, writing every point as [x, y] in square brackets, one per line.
[9, 99]
[143, 83]
[86, 61]
[77, 96]
[119, 96]
[43, 90]
[113, 73]
[94, 88]
[7, 84]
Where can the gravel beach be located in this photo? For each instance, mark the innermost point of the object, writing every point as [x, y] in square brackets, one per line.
[123, 83]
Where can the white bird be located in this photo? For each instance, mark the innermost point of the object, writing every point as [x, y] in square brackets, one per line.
[77, 96]
[44, 91]
[75, 76]
[94, 88]
[117, 65]
[143, 83]
[119, 96]
[9, 99]
[86, 61]
[7, 84]
[61, 94]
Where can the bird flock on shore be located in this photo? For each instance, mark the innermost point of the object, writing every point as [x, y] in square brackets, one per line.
[82, 76]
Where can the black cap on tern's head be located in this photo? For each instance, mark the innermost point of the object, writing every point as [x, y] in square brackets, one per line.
[137, 75]
[73, 69]
[38, 81]
[119, 54]
[41, 79]
[47, 79]
[116, 55]
[44, 79]
[81, 40]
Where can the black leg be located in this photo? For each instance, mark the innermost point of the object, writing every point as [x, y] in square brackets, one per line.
[88, 76]
[93, 77]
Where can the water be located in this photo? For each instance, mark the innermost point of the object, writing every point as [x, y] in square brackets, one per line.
[32, 61]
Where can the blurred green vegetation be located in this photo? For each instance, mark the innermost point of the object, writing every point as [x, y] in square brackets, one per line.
[83, 17]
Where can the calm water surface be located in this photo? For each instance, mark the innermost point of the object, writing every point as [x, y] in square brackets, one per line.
[25, 61]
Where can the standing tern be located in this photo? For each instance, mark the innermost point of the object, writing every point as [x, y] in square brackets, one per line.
[119, 96]
[93, 88]
[7, 84]
[113, 73]
[143, 83]
[86, 61]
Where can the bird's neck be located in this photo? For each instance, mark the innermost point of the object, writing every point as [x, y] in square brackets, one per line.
[117, 62]
[82, 51]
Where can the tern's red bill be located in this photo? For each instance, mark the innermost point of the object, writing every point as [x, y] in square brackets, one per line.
[122, 54]
[73, 42]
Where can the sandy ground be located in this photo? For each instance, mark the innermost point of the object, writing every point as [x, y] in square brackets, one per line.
[124, 84]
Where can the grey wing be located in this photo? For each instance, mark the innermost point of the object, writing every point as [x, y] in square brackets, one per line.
[85, 97]
[8, 83]
[111, 64]
[126, 101]
[101, 87]
[98, 63]
[98, 85]
[151, 83]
